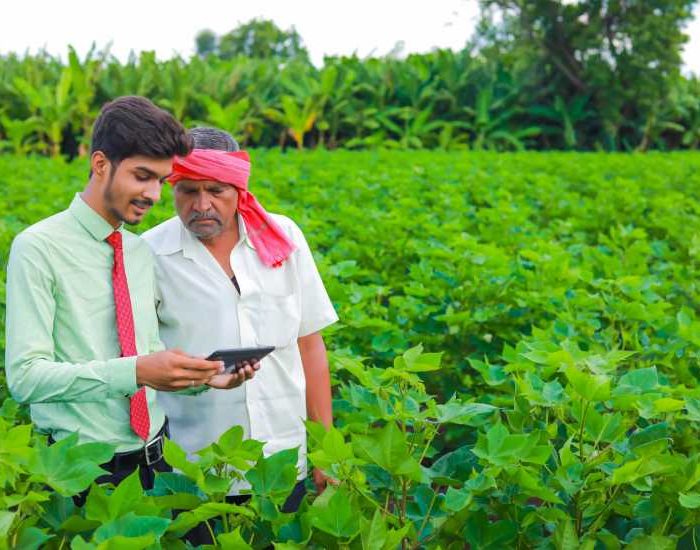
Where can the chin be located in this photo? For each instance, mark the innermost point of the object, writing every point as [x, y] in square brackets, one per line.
[133, 219]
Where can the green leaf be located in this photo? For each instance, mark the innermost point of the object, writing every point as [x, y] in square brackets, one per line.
[689, 500]
[388, 449]
[455, 412]
[171, 483]
[32, 538]
[501, 448]
[637, 381]
[336, 515]
[650, 434]
[6, 519]
[635, 469]
[486, 535]
[536, 487]
[187, 520]
[333, 450]
[373, 533]
[125, 496]
[565, 536]
[414, 360]
[457, 499]
[233, 541]
[132, 526]
[591, 387]
[57, 510]
[657, 542]
[177, 458]
[668, 404]
[454, 467]
[275, 477]
[692, 406]
[69, 468]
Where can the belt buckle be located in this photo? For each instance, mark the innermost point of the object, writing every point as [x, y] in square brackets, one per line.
[157, 444]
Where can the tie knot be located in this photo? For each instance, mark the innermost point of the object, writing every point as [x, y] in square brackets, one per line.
[115, 240]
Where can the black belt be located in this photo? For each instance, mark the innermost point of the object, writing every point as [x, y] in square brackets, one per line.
[147, 455]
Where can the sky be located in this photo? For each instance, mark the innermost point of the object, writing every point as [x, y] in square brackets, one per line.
[330, 27]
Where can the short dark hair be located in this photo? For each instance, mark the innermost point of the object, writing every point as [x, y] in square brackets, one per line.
[213, 138]
[133, 125]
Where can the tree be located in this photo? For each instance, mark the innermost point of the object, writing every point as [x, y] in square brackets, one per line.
[205, 43]
[262, 39]
[623, 54]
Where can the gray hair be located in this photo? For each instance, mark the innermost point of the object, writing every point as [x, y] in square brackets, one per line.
[213, 138]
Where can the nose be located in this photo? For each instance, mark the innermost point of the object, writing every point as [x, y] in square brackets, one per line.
[202, 202]
[152, 191]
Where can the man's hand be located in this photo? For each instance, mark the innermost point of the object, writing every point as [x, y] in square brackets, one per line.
[236, 378]
[321, 480]
[174, 370]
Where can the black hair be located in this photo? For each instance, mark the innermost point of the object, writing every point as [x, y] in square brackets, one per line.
[133, 125]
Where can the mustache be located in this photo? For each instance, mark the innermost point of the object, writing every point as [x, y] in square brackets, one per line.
[197, 216]
[143, 203]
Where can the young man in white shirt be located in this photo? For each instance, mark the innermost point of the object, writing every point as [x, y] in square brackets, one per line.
[231, 275]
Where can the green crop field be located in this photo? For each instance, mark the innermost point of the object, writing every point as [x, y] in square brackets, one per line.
[516, 364]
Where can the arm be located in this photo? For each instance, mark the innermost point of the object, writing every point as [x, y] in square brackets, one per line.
[33, 375]
[317, 312]
[319, 405]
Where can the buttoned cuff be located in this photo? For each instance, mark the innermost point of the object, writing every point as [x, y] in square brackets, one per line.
[122, 376]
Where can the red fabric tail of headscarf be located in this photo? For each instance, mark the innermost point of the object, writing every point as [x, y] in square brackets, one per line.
[271, 243]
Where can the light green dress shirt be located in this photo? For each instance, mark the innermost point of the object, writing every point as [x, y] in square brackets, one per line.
[62, 350]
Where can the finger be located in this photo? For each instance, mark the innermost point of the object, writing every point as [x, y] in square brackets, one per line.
[192, 363]
[188, 383]
[197, 375]
[256, 365]
[224, 381]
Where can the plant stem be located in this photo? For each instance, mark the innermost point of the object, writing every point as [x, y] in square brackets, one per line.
[211, 532]
[605, 509]
[580, 433]
[668, 517]
[426, 518]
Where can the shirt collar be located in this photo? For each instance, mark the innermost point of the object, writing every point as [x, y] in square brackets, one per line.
[243, 232]
[184, 240]
[93, 223]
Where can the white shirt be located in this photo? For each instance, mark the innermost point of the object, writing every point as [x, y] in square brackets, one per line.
[200, 311]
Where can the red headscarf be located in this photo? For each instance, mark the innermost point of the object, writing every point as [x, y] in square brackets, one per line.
[271, 243]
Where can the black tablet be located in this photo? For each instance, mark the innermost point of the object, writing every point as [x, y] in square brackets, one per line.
[233, 358]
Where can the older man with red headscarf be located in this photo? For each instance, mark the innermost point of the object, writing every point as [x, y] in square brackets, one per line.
[231, 275]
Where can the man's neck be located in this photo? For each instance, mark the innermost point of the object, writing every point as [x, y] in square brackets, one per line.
[92, 198]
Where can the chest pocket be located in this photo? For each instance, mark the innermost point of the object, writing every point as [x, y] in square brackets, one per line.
[277, 320]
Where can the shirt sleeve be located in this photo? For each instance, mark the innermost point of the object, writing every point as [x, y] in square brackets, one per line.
[317, 311]
[33, 374]
[156, 344]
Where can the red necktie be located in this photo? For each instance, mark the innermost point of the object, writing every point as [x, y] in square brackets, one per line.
[138, 411]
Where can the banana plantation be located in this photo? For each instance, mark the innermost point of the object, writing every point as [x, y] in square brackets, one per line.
[444, 99]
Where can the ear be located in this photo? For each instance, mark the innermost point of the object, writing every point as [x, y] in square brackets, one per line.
[100, 165]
